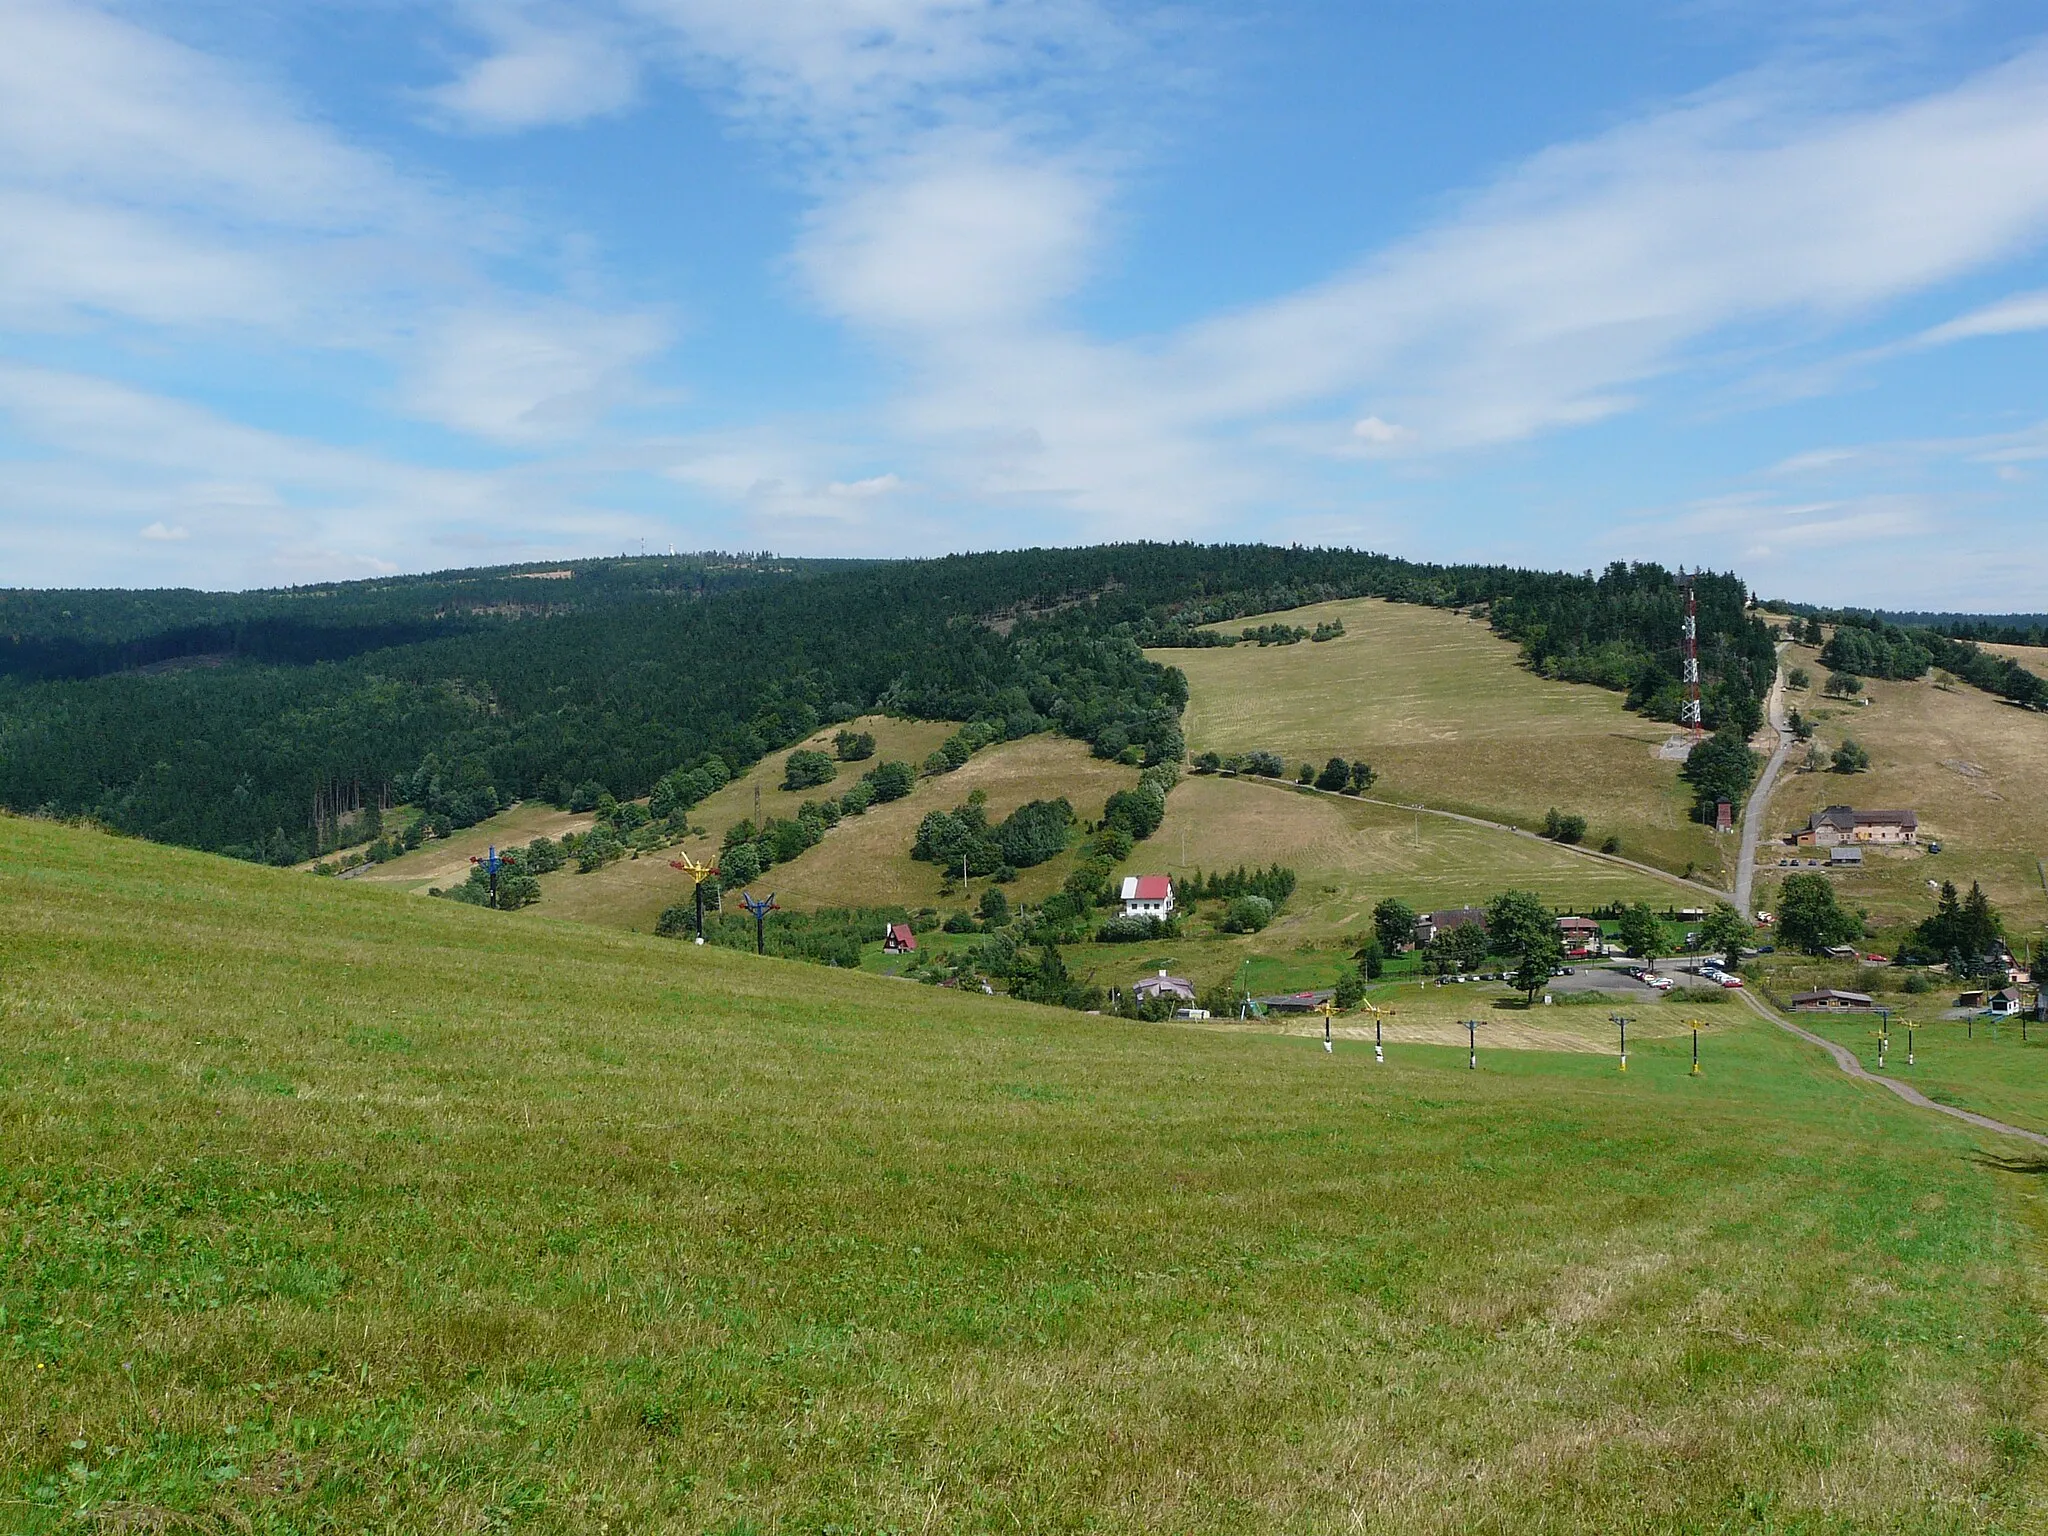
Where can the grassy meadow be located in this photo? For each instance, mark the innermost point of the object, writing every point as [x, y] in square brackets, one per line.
[1995, 1068]
[1976, 770]
[1349, 854]
[325, 1210]
[1450, 717]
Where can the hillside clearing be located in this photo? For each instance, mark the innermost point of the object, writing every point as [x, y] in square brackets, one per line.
[1973, 767]
[865, 860]
[330, 1210]
[1446, 712]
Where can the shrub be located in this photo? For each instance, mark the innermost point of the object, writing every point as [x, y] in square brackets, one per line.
[1850, 757]
[855, 801]
[1363, 777]
[1034, 832]
[958, 922]
[1350, 990]
[1336, 774]
[1136, 811]
[890, 781]
[1129, 930]
[1564, 828]
[854, 746]
[995, 908]
[739, 864]
[805, 769]
[1798, 678]
[1247, 914]
[1265, 765]
[1841, 685]
[1112, 843]
[1610, 844]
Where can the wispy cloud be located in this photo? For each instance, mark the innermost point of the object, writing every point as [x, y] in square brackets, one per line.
[2008, 317]
[545, 65]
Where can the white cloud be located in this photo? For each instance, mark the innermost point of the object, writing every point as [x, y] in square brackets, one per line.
[1556, 297]
[533, 375]
[2021, 312]
[965, 234]
[868, 489]
[162, 534]
[544, 69]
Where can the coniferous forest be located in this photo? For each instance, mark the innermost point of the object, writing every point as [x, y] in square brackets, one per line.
[248, 724]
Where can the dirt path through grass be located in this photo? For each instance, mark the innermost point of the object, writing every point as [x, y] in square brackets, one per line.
[1760, 798]
[1846, 1060]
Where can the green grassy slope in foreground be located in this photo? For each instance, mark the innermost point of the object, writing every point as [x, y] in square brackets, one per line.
[330, 1210]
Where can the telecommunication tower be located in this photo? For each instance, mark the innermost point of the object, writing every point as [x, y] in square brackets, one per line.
[1694, 717]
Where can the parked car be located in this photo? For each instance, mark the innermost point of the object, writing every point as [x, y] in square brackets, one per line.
[1722, 978]
[1878, 959]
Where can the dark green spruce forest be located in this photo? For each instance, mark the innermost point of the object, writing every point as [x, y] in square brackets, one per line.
[238, 722]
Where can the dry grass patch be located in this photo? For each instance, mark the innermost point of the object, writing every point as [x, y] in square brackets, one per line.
[1446, 712]
[2033, 657]
[445, 862]
[865, 860]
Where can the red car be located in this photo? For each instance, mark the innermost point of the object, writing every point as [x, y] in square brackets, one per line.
[1878, 959]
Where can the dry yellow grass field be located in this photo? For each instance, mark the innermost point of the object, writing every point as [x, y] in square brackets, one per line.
[865, 860]
[2033, 657]
[445, 862]
[1425, 1014]
[1974, 768]
[1446, 712]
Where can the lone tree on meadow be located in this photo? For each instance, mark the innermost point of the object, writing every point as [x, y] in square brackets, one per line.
[1393, 921]
[1810, 918]
[1518, 924]
[1642, 933]
[1725, 932]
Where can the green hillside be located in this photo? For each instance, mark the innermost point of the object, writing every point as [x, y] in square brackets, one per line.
[1449, 715]
[325, 1209]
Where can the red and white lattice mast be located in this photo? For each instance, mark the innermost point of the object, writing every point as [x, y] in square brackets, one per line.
[1694, 717]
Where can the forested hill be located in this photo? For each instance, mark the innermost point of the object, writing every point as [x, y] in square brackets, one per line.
[92, 632]
[465, 690]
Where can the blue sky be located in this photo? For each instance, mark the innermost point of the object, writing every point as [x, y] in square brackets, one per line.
[300, 291]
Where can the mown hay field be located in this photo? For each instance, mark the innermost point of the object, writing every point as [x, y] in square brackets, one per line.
[1973, 767]
[1446, 712]
[1349, 853]
[323, 1209]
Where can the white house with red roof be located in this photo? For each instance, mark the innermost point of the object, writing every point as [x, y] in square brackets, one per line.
[1148, 896]
[897, 939]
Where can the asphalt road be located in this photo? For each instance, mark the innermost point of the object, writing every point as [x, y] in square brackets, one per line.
[1760, 797]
